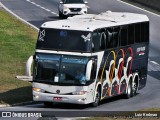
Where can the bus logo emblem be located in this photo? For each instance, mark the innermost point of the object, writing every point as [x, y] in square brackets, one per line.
[42, 35]
[58, 91]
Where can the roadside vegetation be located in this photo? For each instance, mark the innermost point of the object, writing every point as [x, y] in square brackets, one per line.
[17, 43]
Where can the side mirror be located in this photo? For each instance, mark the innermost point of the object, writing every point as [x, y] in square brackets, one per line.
[61, 2]
[85, 2]
[34, 57]
[88, 70]
[29, 66]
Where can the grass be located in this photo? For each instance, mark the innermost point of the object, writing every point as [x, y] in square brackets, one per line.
[17, 43]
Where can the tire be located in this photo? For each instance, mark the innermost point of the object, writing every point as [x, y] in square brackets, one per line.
[97, 99]
[134, 89]
[60, 15]
[48, 104]
[129, 91]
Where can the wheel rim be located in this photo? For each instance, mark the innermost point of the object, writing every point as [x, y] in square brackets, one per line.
[129, 89]
[134, 88]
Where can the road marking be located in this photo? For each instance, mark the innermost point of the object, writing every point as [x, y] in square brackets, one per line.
[153, 66]
[42, 7]
[18, 17]
[139, 8]
[154, 62]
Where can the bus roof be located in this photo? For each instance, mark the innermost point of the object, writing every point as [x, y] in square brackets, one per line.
[90, 22]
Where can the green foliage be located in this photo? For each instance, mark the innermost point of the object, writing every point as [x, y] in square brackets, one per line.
[17, 43]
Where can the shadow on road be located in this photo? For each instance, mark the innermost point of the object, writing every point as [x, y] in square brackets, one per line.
[81, 107]
[19, 95]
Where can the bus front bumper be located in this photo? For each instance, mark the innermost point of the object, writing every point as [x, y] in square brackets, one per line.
[46, 97]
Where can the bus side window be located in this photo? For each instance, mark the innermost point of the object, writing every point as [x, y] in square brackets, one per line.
[138, 33]
[116, 36]
[147, 32]
[102, 39]
[95, 40]
[124, 36]
[131, 34]
[109, 42]
[144, 32]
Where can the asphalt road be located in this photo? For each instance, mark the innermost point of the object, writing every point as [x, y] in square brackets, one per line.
[38, 11]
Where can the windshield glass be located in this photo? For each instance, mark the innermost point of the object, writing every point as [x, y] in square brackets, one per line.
[64, 40]
[73, 1]
[73, 70]
[60, 70]
[46, 67]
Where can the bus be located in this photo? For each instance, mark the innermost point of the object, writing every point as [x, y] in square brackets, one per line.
[87, 58]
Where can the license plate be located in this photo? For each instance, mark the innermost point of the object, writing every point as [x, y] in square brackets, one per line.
[57, 98]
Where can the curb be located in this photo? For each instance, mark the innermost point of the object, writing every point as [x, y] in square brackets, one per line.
[2, 6]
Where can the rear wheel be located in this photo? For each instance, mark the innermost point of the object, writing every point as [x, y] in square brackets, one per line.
[134, 89]
[97, 99]
[129, 90]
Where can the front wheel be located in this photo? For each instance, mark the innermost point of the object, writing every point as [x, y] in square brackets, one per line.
[97, 99]
[60, 15]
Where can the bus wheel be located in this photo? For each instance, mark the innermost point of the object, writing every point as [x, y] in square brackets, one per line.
[48, 104]
[129, 90]
[97, 99]
[134, 89]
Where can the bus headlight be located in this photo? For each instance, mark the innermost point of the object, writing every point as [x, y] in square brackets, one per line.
[79, 93]
[65, 8]
[85, 7]
[38, 90]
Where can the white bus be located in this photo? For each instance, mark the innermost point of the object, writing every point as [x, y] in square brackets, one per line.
[87, 58]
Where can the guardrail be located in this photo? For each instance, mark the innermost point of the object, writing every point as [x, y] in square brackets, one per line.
[155, 4]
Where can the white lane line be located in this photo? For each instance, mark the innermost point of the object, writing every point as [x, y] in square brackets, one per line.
[139, 8]
[33, 3]
[42, 7]
[37, 5]
[154, 62]
[19, 17]
[48, 10]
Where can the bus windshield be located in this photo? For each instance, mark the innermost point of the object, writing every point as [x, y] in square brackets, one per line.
[60, 70]
[64, 40]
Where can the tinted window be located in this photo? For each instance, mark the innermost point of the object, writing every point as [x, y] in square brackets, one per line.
[124, 35]
[116, 36]
[65, 40]
[109, 34]
[102, 39]
[95, 39]
[138, 33]
[73, 1]
[145, 32]
[131, 34]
